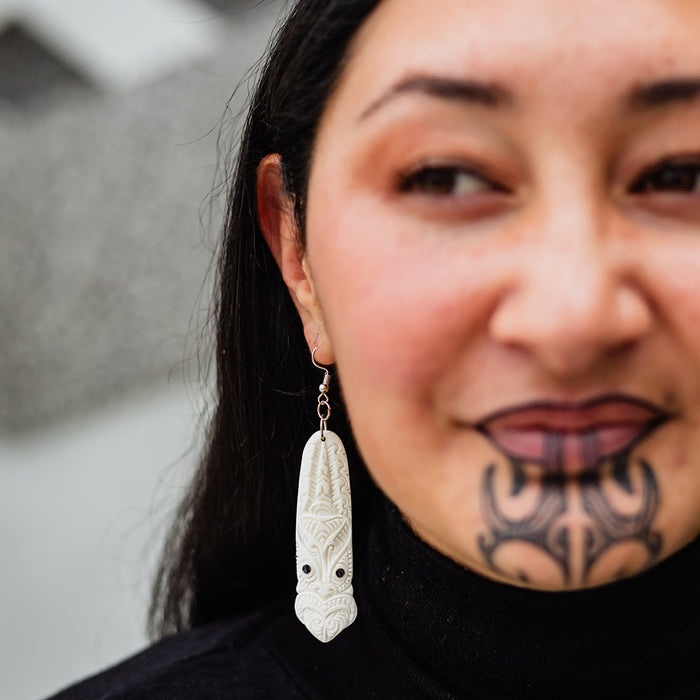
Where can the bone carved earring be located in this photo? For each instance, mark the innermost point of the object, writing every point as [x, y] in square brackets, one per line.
[324, 601]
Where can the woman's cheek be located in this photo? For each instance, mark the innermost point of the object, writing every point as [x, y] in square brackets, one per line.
[399, 301]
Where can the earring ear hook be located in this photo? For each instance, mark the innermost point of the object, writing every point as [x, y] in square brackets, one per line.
[323, 388]
[315, 364]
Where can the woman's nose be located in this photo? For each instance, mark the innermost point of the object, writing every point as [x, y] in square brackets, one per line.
[573, 300]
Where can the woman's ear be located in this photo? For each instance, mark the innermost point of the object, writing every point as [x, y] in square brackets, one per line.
[279, 227]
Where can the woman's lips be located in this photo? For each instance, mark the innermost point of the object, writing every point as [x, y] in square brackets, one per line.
[570, 437]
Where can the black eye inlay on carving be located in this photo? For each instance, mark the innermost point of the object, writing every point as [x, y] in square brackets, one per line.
[306, 569]
[340, 573]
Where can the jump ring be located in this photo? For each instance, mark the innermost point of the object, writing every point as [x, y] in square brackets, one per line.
[323, 410]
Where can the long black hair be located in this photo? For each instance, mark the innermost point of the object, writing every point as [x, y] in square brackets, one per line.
[231, 547]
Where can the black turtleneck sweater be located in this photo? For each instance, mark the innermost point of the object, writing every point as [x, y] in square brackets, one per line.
[427, 628]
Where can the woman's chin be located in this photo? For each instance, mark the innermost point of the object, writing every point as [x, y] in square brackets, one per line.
[525, 565]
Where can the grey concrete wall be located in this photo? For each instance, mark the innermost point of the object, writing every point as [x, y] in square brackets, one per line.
[102, 261]
[102, 252]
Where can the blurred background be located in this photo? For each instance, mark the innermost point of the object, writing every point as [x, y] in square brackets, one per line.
[110, 120]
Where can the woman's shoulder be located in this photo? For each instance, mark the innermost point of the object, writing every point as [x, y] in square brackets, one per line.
[226, 659]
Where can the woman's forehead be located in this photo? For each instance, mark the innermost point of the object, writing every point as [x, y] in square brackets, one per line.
[546, 43]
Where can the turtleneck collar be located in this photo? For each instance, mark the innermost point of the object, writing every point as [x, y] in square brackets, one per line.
[478, 638]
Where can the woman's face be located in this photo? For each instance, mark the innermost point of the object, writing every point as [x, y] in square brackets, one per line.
[503, 240]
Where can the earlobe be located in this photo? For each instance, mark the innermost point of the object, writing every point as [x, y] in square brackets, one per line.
[275, 205]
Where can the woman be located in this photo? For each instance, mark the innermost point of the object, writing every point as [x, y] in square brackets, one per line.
[487, 218]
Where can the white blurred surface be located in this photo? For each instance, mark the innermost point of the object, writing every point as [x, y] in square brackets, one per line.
[120, 44]
[83, 508]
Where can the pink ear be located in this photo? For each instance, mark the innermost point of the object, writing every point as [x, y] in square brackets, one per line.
[270, 191]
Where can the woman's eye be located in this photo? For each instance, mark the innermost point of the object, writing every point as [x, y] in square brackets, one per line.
[681, 177]
[445, 181]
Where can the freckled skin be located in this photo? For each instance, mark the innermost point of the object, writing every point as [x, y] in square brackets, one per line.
[562, 283]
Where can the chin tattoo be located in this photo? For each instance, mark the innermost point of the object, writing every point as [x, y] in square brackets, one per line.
[576, 521]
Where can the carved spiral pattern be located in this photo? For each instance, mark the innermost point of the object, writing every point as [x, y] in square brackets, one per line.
[324, 539]
[325, 619]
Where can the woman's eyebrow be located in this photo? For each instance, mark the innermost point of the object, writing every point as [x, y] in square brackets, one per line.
[663, 93]
[470, 91]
